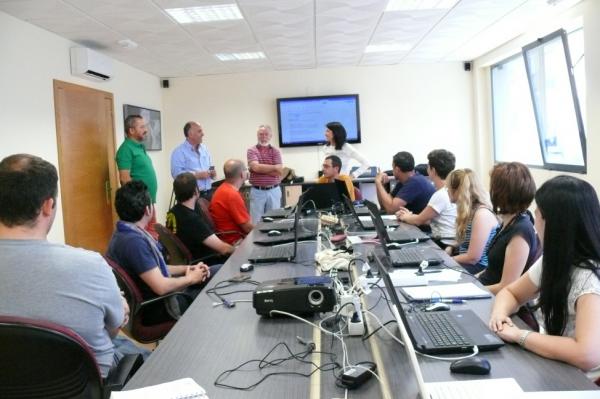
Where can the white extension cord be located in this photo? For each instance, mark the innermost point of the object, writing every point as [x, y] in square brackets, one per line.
[333, 259]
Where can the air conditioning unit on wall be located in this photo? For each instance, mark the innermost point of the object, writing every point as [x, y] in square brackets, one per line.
[89, 64]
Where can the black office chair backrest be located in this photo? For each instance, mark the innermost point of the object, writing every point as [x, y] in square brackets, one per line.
[40, 359]
[177, 252]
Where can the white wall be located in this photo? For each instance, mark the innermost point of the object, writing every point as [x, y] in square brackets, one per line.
[589, 10]
[31, 59]
[414, 108]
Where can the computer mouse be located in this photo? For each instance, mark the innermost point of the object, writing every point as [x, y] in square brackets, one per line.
[267, 219]
[274, 233]
[471, 365]
[437, 307]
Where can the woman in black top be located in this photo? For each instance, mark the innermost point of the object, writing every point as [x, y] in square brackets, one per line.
[515, 245]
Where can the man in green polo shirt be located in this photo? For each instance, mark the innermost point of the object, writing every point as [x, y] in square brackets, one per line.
[135, 164]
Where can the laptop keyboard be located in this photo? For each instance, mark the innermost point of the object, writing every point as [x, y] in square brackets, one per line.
[277, 251]
[406, 256]
[442, 329]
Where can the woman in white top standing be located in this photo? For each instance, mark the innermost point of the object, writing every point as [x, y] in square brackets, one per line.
[335, 134]
[566, 278]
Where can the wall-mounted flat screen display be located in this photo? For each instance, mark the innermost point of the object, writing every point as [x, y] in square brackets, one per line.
[302, 120]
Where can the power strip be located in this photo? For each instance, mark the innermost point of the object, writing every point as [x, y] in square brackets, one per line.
[356, 324]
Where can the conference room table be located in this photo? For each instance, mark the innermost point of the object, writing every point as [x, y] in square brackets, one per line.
[210, 339]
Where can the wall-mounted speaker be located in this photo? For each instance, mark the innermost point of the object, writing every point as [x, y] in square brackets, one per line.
[467, 66]
[165, 83]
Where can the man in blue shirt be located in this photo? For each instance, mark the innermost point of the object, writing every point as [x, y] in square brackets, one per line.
[138, 253]
[193, 156]
[415, 191]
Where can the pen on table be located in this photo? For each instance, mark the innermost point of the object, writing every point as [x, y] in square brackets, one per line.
[422, 272]
[453, 301]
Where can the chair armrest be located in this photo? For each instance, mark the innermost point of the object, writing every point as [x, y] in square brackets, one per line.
[119, 375]
[161, 298]
[229, 232]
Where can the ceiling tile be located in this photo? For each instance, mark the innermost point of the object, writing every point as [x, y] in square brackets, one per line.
[293, 34]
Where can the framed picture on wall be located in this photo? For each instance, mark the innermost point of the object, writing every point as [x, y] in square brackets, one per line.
[153, 140]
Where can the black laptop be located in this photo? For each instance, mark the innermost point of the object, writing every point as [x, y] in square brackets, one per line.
[278, 253]
[300, 230]
[409, 254]
[279, 213]
[323, 195]
[453, 331]
[286, 224]
[402, 234]
[368, 223]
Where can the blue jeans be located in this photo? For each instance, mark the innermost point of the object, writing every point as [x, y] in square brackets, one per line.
[124, 346]
[262, 201]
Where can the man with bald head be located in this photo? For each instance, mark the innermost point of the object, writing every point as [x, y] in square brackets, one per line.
[227, 207]
[193, 156]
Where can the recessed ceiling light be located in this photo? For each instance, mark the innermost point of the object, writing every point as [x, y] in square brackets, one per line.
[127, 44]
[240, 56]
[387, 47]
[406, 5]
[220, 12]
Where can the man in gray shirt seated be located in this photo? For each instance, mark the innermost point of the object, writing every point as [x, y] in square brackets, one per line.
[40, 280]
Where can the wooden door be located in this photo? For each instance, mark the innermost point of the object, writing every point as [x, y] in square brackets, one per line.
[86, 149]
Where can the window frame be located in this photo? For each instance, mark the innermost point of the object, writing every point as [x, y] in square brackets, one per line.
[574, 97]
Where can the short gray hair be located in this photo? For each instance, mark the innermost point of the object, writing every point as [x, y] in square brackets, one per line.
[130, 122]
[266, 127]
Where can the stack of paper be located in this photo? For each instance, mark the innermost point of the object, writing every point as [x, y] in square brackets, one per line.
[445, 291]
[185, 388]
[408, 277]
[493, 388]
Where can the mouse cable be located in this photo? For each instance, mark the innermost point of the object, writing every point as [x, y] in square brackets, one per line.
[346, 365]
[230, 303]
[225, 284]
[365, 337]
[446, 359]
[345, 362]
[264, 362]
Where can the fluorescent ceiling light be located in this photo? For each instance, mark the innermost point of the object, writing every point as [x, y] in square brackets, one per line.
[221, 12]
[240, 56]
[127, 44]
[406, 5]
[387, 47]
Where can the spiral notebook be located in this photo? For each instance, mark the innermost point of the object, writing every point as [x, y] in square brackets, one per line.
[185, 388]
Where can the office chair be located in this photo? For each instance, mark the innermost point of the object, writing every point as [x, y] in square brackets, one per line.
[41, 359]
[139, 331]
[177, 252]
[357, 194]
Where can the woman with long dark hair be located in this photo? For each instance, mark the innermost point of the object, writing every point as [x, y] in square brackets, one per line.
[335, 134]
[567, 278]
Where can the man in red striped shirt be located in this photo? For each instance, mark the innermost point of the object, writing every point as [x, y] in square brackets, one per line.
[264, 161]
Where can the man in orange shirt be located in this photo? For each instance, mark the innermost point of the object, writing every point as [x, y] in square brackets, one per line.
[331, 171]
[227, 206]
